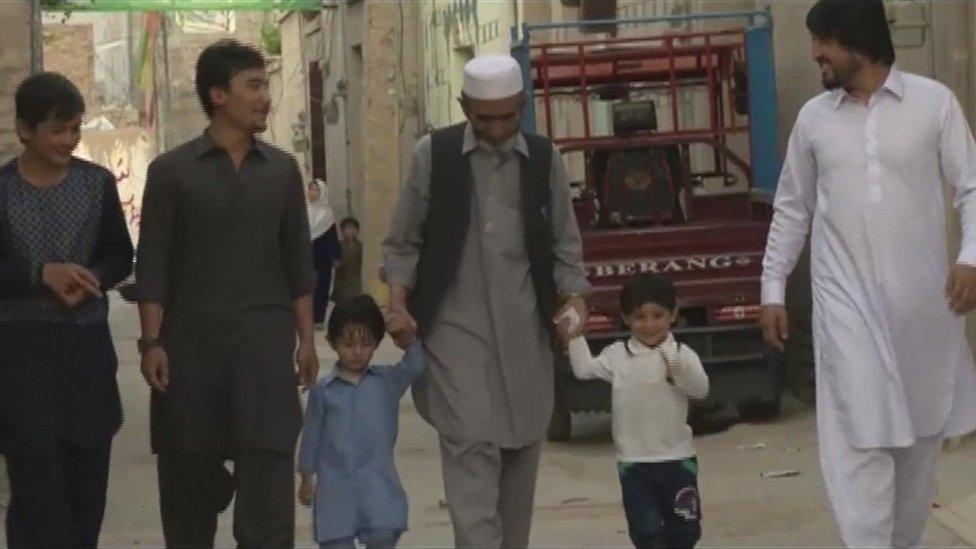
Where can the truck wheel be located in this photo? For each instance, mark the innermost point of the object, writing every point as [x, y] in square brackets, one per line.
[709, 418]
[560, 426]
[759, 409]
[766, 407]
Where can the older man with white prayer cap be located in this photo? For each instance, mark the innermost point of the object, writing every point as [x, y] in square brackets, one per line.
[482, 251]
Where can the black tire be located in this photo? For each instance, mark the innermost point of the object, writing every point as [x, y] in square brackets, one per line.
[799, 368]
[710, 418]
[560, 427]
[759, 409]
[768, 406]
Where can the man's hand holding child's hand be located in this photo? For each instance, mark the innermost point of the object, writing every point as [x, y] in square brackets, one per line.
[401, 328]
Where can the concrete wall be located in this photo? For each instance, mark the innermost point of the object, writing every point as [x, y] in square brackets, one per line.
[100, 64]
[337, 47]
[331, 55]
[70, 50]
[113, 38]
[454, 33]
[14, 67]
[353, 52]
[288, 126]
[184, 119]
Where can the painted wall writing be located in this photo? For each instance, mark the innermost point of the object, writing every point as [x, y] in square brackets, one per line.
[127, 153]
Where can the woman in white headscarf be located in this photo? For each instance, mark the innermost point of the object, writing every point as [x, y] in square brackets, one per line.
[325, 246]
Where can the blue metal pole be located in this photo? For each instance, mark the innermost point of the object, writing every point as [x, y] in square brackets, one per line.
[763, 111]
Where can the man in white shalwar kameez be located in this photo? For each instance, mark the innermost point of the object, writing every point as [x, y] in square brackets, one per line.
[866, 166]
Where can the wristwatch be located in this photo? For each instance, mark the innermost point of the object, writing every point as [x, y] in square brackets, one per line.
[146, 345]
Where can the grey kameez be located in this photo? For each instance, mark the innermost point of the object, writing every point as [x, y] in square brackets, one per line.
[489, 375]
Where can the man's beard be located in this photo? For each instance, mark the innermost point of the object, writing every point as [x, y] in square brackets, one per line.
[841, 76]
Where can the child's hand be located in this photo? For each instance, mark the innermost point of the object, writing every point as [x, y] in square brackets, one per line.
[402, 329]
[306, 491]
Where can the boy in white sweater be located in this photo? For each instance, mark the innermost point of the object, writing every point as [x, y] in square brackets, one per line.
[653, 376]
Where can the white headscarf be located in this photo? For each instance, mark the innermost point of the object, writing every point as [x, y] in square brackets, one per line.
[320, 215]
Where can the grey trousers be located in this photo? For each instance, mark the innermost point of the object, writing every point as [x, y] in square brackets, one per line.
[490, 492]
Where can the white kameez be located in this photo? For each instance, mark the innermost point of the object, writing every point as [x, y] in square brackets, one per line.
[892, 360]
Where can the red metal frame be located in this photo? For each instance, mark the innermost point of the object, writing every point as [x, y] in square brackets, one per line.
[703, 60]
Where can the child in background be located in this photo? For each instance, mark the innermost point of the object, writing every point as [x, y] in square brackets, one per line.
[348, 281]
[346, 452]
[653, 376]
[326, 250]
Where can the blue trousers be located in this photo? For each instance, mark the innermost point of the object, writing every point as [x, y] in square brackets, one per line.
[662, 504]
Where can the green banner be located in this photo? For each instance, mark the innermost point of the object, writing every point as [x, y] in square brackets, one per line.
[182, 5]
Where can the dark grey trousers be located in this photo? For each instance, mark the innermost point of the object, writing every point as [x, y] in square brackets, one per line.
[194, 489]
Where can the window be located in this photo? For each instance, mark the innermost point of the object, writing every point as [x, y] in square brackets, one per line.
[596, 10]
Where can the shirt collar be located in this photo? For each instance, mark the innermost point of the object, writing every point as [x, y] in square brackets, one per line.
[205, 144]
[894, 84]
[637, 347]
[471, 142]
[334, 374]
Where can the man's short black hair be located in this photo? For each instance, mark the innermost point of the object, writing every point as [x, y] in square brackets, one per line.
[47, 95]
[647, 288]
[349, 222]
[860, 26]
[358, 311]
[219, 63]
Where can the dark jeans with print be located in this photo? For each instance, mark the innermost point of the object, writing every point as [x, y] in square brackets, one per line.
[661, 502]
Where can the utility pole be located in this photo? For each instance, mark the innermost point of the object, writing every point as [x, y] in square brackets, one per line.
[162, 114]
[37, 38]
[381, 111]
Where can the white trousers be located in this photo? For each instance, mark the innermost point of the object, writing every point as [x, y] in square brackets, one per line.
[881, 497]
